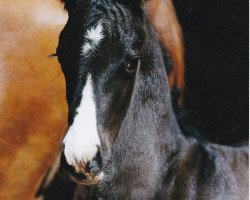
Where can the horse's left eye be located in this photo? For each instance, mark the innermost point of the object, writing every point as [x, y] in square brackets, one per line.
[133, 65]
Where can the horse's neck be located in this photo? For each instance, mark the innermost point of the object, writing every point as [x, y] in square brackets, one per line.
[149, 136]
[148, 139]
[151, 99]
[150, 120]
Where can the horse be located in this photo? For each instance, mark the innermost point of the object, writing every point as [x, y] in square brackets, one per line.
[123, 138]
[18, 68]
[172, 40]
[32, 106]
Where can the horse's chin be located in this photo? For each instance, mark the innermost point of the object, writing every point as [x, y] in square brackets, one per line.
[91, 179]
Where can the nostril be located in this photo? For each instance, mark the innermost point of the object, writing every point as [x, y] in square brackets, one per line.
[79, 175]
[94, 165]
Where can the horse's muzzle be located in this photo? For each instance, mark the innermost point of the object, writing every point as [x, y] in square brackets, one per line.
[88, 174]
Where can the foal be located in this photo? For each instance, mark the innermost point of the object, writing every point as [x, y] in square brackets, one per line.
[123, 136]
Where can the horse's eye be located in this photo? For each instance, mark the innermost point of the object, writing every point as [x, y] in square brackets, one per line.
[133, 65]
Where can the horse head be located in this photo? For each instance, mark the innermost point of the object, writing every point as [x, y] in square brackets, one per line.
[115, 77]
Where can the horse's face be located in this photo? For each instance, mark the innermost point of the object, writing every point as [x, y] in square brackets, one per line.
[99, 51]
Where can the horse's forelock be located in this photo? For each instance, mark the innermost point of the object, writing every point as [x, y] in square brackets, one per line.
[132, 2]
[67, 3]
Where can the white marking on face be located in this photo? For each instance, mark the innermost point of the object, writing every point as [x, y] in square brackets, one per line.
[82, 141]
[95, 36]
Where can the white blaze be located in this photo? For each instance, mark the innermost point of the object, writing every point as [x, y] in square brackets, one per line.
[82, 139]
[95, 36]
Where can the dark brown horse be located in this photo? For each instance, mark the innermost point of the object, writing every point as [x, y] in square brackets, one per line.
[33, 112]
[123, 137]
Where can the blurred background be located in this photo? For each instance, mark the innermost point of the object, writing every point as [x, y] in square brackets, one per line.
[33, 110]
